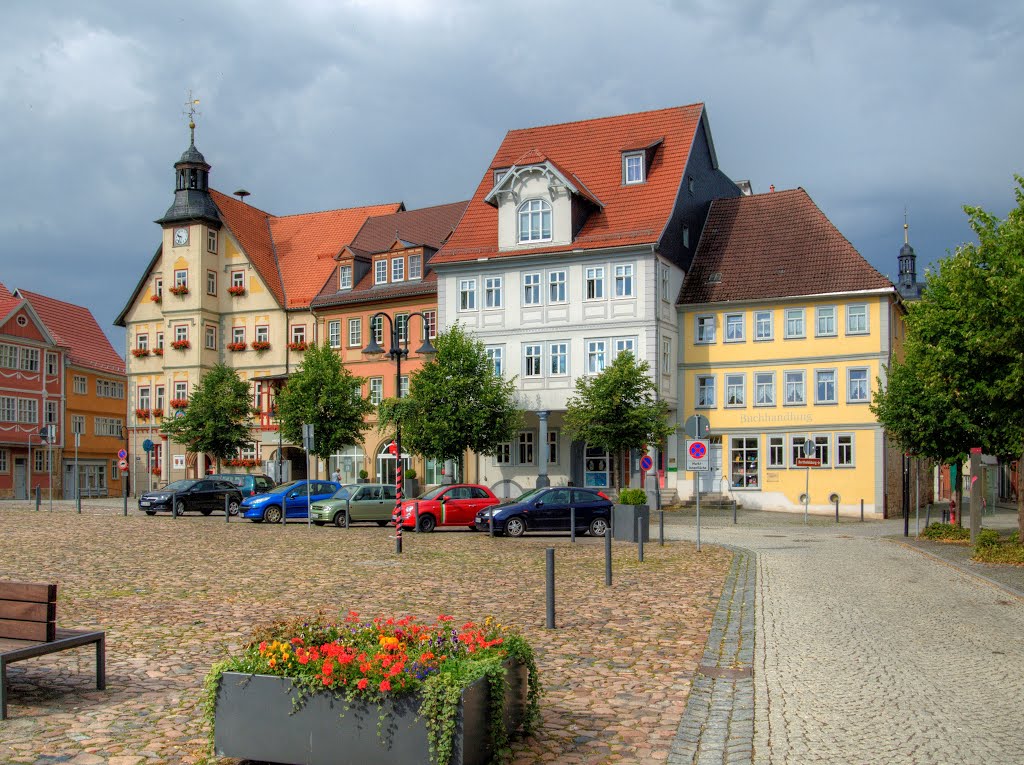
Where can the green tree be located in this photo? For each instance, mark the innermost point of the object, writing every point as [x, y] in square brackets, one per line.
[216, 420]
[455, 402]
[618, 410]
[322, 392]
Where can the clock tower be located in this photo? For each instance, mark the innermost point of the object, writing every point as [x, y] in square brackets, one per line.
[192, 201]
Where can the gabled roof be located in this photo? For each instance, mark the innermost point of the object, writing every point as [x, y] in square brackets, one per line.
[8, 303]
[251, 227]
[590, 152]
[535, 160]
[774, 245]
[75, 328]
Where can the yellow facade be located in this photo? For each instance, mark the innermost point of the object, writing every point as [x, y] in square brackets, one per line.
[768, 375]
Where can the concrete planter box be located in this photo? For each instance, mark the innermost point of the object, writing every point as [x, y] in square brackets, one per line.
[624, 522]
[255, 719]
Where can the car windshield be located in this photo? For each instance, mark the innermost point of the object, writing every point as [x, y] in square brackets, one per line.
[237, 480]
[287, 486]
[181, 485]
[432, 493]
[343, 493]
[531, 494]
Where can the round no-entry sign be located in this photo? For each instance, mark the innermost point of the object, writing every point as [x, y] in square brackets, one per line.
[646, 463]
[123, 464]
[122, 454]
[697, 457]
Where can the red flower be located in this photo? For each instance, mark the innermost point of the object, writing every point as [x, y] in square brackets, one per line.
[385, 685]
[363, 682]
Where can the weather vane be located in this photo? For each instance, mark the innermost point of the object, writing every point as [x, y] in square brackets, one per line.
[192, 111]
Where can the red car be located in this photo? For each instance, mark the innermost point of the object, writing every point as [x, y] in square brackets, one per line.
[455, 505]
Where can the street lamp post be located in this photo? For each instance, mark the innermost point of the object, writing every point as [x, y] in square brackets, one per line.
[398, 348]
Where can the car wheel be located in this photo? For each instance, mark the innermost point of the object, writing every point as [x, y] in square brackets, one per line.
[515, 527]
[233, 506]
[427, 523]
[383, 523]
[151, 512]
[180, 506]
[272, 514]
[472, 528]
[598, 527]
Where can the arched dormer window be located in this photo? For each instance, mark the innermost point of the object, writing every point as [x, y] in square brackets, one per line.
[534, 221]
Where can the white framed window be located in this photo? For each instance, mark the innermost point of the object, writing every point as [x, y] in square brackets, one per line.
[844, 450]
[5, 465]
[158, 400]
[181, 278]
[526, 447]
[595, 283]
[623, 344]
[398, 269]
[211, 240]
[666, 355]
[596, 356]
[345, 278]
[263, 334]
[142, 341]
[857, 389]
[796, 387]
[795, 323]
[108, 426]
[763, 326]
[734, 326]
[51, 363]
[355, 333]
[825, 321]
[30, 359]
[237, 279]
[210, 337]
[42, 461]
[796, 448]
[764, 389]
[109, 389]
[664, 283]
[211, 282]
[144, 398]
[492, 292]
[624, 280]
[857, 319]
[633, 167]
[8, 409]
[704, 329]
[531, 289]
[78, 424]
[744, 468]
[430, 324]
[558, 359]
[822, 450]
[534, 221]
[160, 340]
[380, 271]
[776, 451]
[80, 382]
[8, 356]
[377, 329]
[51, 412]
[298, 333]
[496, 355]
[334, 333]
[503, 454]
[180, 333]
[825, 386]
[403, 386]
[158, 287]
[181, 390]
[415, 266]
[705, 392]
[532, 361]
[402, 327]
[467, 294]
[552, 447]
[376, 390]
[735, 390]
[556, 287]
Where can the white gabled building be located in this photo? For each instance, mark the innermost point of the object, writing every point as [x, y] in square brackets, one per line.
[572, 250]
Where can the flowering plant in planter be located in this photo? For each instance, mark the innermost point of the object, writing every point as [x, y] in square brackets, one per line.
[298, 345]
[181, 345]
[158, 413]
[140, 352]
[142, 414]
[158, 351]
[237, 346]
[382, 659]
[155, 470]
[260, 345]
[155, 297]
[178, 289]
[179, 403]
[236, 291]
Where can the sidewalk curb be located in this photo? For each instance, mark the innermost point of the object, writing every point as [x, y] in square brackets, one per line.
[963, 569]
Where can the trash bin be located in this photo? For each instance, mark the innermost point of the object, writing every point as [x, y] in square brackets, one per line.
[624, 522]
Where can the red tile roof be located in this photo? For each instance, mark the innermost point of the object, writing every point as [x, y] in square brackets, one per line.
[590, 151]
[774, 245]
[75, 328]
[7, 302]
[251, 227]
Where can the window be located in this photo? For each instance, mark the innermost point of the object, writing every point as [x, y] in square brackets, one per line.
[181, 278]
[492, 292]
[180, 333]
[857, 319]
[8, 409]
[552, 447]
[825, 321]
[402, 327]
[734, 327]
[430, 324]
[776, 452]
[80, 385]
[595, 356]
[763, 329]
[556, 287]
[624, 281]
[857, 385]
[8, 356]
[534, 221]
[743, 462]
[334, 333]
[795, 322]
[825, 386]
[298, 333]
[144, 399]
[796, 393]
[211, 337]
[496, 354]
[4, 464]
[526, 447]
[160, 340]
[398, 269]
[263, 334]
[503, 454]
[109, 389]
[376, 390]
[30, 359]
[664, 283]
[705, 391]
[558, 359]
[686, 236]
[355, 333]
[735, 390]
[142, 342]
[467, 294]
[624, 344]
[821, 450]
[666, 355]
[158, 287]
[797, 448]
[531, 361]
[633, 167]
[531, 289]
[159, 399]
[238, 279]
[108, 426]
[181, 390]
[764, 389]
[380, 271]
[345, 278]
[51, 412]
[42, 461]
[415, 266]
[403, 386]
[211, 282]
[28, 410]
[844, 450]
[78, 424]
[51, 363]
[705, 329]
[211, 240]
[377, 328]
[595, 283]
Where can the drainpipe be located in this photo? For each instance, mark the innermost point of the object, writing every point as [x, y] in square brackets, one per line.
[542, 450]
[651, 481]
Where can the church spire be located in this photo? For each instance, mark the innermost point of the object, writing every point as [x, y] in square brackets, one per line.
[192, 200]
[907, 284]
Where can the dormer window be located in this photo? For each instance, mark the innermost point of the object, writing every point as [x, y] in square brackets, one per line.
[498, 175]
[398, 269]
[534, 221]
[345, 278]
[415, 266]
[633, 167]
[380, 271]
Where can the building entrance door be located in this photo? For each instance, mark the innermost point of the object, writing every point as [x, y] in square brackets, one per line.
[20, 478]
[711, 480]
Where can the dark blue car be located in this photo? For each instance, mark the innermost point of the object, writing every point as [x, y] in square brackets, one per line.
[549, 509]
[290, 498]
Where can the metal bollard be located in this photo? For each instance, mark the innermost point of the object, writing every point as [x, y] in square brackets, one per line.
[639, 538]
[416, 516]
[928, 515]
[572, 525]
[227, 513]
[348, 507]
[78, 502]
[608, 557]
[174, 505]
[38, 498]
[862, 511]
[837, 509]
[734, 506]
[490, 522]
[550, 559]
[661, 528]
[124, 497]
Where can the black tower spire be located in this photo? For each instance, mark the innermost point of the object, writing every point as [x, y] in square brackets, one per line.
[192, 201]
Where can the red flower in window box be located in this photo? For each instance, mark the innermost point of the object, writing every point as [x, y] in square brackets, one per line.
[155, 470]
[158, 413]
[142, 414]
[140, 352]
[237, 346]
[179, 403]
[155, 297]
[181, 345]
[178, 289]
[298, 345]
[260, 345]
[158, 351]
[236, 291]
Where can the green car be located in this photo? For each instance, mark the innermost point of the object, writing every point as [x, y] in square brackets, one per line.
[366, 502]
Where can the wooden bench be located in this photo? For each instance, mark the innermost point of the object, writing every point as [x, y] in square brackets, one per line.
[28, 627]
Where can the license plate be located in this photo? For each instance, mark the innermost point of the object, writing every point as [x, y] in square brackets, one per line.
[144, 504]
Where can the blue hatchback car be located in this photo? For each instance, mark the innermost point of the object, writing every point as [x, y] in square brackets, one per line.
[289, 498]
[549, 509]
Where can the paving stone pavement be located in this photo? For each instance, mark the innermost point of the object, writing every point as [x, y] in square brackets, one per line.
[866, 651]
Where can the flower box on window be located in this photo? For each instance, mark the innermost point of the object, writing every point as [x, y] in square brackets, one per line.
[158, 351]
[158, 413]
[179, 403]
[140, 352]
[142, 414]
[236, 291]
[298, 345]
[181, 345]
[180, 289]
[155, 298]
[260, 345]
[155, 470]
[237, 347]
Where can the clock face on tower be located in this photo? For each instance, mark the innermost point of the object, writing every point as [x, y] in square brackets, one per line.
[180, 236]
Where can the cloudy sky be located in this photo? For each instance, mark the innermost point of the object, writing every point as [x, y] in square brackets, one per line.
[869, 106]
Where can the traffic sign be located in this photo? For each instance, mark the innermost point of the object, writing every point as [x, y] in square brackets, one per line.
[697, 456]
[646, 463]
[122, 454]
[147, 445]
[809, 447]
[808, 461]
[697, 426]
[123, 464]
[307, 436]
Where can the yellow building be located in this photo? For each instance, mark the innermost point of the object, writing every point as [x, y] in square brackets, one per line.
[785, 332]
